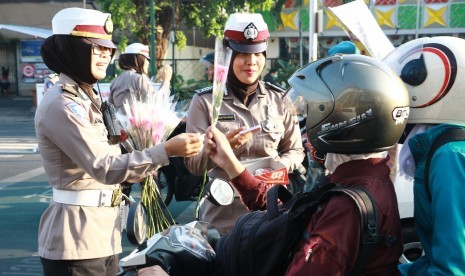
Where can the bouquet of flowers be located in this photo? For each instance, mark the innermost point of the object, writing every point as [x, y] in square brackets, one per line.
[147, 121]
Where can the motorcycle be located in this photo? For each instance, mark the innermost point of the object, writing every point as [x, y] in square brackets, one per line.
[181, 249]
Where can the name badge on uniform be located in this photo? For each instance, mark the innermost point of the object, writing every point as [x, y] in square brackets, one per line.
[272, 111]
[227, 117]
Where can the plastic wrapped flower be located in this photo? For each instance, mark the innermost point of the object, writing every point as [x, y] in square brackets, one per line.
[222, 60]
[148, 121]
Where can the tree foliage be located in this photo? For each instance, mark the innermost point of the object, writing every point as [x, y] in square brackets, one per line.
[131, 18]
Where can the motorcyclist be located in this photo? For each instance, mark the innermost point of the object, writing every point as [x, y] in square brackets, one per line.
[433, 71]
[357, 156]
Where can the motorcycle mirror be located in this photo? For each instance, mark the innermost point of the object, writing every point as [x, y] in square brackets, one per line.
[136, 225]
[219, 192]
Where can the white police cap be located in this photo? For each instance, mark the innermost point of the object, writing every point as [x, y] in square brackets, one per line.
[246, 32]
[138, 48]
[91, 24]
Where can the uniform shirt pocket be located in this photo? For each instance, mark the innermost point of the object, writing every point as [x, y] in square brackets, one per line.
[100, 128]
[273, 129]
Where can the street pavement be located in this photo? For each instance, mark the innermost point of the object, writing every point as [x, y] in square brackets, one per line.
[17, 134]
[25, 193]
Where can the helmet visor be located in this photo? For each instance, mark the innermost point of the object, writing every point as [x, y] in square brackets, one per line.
[309, 88]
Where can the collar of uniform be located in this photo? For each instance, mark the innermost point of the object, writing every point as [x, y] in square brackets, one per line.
[261, 89]
[70, 86]
[261, 92]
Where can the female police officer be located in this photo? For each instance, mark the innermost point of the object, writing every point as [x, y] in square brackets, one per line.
[248, 102]
[80, 232]
[135, 62]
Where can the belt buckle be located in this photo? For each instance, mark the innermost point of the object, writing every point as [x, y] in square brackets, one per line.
[116, 197]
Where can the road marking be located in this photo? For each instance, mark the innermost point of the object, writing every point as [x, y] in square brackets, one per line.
[21, 177]
[27, 266]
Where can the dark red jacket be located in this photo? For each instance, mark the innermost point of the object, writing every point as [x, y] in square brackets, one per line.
[333, 234]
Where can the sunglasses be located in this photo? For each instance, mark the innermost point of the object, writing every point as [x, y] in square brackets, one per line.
[98, 50]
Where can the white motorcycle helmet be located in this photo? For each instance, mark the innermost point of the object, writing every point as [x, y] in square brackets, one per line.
[433, 70]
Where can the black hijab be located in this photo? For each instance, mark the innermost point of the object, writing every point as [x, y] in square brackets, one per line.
[132, 61]
[70, 55]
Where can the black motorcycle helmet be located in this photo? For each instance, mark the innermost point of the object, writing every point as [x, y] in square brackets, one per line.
[355, 104]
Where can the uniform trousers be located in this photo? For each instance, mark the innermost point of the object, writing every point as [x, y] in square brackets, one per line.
[100, 266]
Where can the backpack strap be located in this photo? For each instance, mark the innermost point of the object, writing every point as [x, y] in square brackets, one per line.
[369, 236]
[272, 195]
[449, 135]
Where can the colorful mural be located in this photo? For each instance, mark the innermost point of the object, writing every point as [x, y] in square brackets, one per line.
[395, 17]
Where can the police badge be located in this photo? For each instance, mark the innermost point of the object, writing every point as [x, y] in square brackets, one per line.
[250, 32]
[108, 25]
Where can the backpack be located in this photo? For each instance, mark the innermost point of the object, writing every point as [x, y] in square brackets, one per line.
[262, 242]
[449, 135]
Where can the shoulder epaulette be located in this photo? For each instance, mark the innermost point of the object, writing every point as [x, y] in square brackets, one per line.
[269, 85]
[67, 89]
[204, 90]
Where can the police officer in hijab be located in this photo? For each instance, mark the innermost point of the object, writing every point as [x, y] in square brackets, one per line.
[248, 102]
[80, 231]
[135, 62]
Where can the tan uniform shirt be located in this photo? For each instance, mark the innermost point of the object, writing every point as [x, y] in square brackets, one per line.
[280, 136]
[129, 82]
[76, 156]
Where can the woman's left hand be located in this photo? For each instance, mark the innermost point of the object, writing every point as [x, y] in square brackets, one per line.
[235, 139]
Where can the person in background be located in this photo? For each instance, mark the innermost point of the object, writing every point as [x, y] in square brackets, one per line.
[135, 62]
[209, 61]
[5, 83]
[271, 76]
[357, 157]
[343, 47]
[246, 103]
[80, 231]
[50, 81]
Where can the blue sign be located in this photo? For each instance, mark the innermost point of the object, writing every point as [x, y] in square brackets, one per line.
[30, 50]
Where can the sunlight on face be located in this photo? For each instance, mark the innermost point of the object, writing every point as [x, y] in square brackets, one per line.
[100, 59]
[146, 66]
[248, 67]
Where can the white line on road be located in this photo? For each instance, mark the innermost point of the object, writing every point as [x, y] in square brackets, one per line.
[21, 177]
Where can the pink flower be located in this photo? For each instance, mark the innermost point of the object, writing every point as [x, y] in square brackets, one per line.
[156, 138]
[132, 121]
[221, 72]
[145, 124]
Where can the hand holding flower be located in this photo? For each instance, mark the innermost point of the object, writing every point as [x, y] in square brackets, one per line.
[218, 148]
[184, 144]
